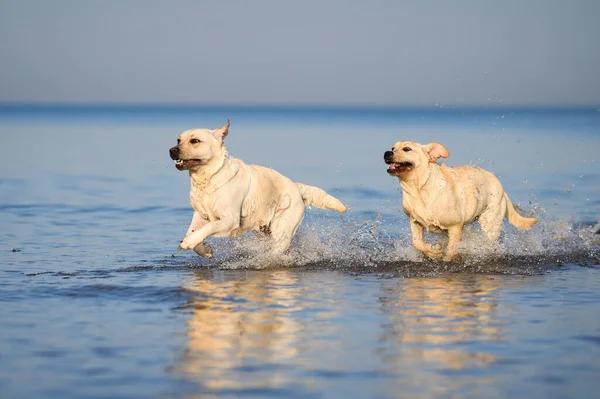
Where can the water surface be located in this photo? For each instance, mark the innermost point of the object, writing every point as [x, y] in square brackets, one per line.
[96, 301]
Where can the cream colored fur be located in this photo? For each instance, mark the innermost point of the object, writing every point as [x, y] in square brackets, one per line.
[230, 198]
[441, 199]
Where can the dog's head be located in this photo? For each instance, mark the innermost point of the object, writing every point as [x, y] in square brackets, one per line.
[199, 147]
[407, 157]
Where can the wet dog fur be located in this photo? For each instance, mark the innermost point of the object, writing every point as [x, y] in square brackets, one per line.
[441, 199]
[230, 198]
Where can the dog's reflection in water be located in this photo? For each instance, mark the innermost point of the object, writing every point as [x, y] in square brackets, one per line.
[242, 323]
[266, 329]
[432, 320]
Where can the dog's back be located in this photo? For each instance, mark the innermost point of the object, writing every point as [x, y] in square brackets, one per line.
[480, 189]
[270, 183]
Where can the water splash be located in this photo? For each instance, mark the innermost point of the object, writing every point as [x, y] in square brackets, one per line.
[374, 245]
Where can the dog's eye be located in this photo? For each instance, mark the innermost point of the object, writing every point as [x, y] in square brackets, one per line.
[407, 149]
[178, 141]
[195, 141]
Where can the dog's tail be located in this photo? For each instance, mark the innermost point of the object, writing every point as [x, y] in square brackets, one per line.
[319, 198]
[515, 219]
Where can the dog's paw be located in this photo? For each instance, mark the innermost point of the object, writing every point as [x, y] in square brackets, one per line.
[436, 248]
[435, 251]
[187, 244]
[204, 250]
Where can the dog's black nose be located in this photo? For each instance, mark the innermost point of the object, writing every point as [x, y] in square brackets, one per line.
[174, 152]
[387, 156]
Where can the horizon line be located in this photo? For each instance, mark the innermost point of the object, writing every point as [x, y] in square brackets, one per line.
[157, 106]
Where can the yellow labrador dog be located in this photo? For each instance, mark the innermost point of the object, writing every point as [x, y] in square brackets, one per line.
[231, 198]
[440, 198]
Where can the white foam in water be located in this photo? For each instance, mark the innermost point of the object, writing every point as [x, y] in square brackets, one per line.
[321, 241]
[371, 242]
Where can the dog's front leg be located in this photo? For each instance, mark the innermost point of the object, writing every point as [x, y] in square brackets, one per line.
[197, 222]
[432, 251]
[454, 239]
[224, 225]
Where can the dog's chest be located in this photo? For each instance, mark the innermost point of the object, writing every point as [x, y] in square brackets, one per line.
[422, 209]
[201, 203]
[427, 220]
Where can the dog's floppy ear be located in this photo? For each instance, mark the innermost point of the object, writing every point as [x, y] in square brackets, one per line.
[434, 151]
[221, 132]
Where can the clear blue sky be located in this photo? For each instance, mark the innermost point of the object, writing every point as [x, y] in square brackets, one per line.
[394, 53]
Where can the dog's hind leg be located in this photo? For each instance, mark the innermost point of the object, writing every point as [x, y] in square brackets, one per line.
[491, 220]
[284, 226]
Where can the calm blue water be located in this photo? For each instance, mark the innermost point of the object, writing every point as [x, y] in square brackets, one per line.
[96, 301]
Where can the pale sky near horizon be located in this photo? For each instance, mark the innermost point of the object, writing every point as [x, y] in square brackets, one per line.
[337, 52]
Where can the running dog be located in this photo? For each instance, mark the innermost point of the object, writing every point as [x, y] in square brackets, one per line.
[442, 199]
[231, 198]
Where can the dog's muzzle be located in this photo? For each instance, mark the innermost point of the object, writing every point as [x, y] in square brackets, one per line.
[183, 164]
[174, 153]
[396, 168]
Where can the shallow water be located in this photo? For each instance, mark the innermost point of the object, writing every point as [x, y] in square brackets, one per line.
[97, 302]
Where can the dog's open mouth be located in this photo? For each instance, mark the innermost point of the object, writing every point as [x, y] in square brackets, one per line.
[400, 167]
[184, 164]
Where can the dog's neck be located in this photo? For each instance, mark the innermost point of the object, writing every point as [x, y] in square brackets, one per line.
[200, 178]
[413, 183]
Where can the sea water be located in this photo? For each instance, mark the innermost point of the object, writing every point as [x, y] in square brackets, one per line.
[96, 300]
